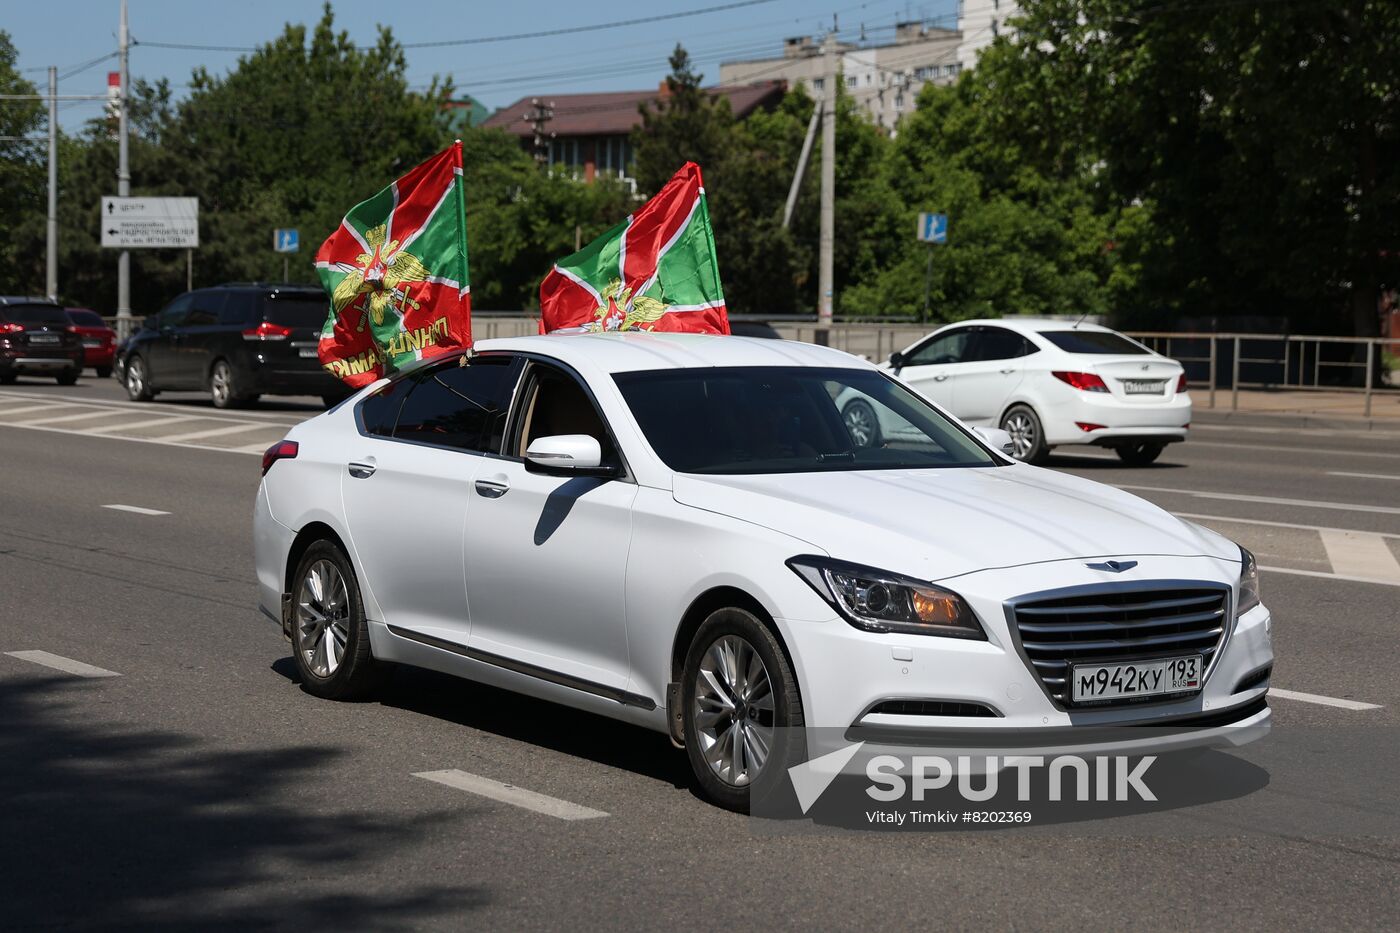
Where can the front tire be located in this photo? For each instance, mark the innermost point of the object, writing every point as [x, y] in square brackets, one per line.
[138, 381]
[1027, 434]
[861, 423]
[104, 372]
[67, 379]
[743, 715]
[330, 637]
[1140, 454]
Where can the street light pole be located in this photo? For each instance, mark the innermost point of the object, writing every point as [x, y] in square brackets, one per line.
[123, 175]
[827, 243]
[51, 265]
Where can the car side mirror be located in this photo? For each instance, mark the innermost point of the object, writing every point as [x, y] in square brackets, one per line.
[896, 360]
[567, 455]
[997, 439]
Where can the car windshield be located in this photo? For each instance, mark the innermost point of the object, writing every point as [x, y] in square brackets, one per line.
[297, 310]
[86, 318]
[792, 419]
[1092, 341]
[34, 314]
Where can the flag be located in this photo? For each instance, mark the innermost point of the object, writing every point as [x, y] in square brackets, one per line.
[396, 273]
[654, 271]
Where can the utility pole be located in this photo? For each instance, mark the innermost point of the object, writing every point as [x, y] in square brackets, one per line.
[540, 114]
[123, 174]
[51, 280]
[825, 275]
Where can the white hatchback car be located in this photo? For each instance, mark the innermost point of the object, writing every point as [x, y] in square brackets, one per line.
[1047, 384]
[678, 531]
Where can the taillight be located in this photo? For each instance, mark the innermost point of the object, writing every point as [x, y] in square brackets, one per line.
[71, 329]
[282, 450]
[1084, 382]
[267, 331]
[1181, 384]
[1086, 427]
[11, 328]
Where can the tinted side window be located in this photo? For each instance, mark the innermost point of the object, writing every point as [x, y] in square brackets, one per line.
[559, 405]
[458, 406]
[205, 308]
[994, 343]
[238, 308]
[951, 347]
[175, 313]
[380, 412]
[1092, 341]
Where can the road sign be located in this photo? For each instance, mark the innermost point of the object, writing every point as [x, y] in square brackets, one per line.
[285, 240]
[155, 223]
[933, 228]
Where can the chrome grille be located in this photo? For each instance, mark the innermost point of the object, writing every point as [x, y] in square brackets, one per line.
[1092, 624]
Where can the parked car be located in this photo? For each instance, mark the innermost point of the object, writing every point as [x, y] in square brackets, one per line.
[237, 342]
[1046, 383]
[677, 530]
[99, 340]
[36, 339]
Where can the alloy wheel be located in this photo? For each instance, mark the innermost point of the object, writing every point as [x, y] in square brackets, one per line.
[135, 377]
[860, 424]
[734, 713]
[1022, 430]
[221, 384]
[322, 615]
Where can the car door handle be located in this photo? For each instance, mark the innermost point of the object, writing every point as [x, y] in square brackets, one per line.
[940, 377]
[361, 469]
[492, 488]
[1007, 372]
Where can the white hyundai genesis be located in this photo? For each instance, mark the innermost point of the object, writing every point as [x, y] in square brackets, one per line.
[679, 531]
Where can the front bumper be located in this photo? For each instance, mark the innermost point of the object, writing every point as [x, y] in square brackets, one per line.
[844, 673]
[25, 361]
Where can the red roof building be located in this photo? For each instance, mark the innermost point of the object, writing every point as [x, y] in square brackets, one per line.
[592, 133]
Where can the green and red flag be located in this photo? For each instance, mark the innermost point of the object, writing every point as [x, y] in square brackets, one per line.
[654, 271]
[396, 273]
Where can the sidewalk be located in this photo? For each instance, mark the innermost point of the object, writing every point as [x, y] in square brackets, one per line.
[1302, 409]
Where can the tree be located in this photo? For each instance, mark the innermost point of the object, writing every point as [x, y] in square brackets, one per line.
[21, 172]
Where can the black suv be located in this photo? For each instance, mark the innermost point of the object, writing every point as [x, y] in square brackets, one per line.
[237, 341]
[36, 338]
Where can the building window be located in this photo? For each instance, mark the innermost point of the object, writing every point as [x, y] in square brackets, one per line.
[899, 101]
[818, 83]
[852, 80]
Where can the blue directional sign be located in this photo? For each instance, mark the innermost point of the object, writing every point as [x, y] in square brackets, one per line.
[286, 241]
[933, 228]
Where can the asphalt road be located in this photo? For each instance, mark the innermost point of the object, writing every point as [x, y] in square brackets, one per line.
[202, 787]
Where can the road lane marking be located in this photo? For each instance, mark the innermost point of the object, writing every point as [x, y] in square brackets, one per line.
[1362, 475]
[121, 437]
[60, 663]
[156, 407]
[165, 419]
[1360, 554]
[43, 419]
[1329, 576]
[1268, 500]
[215, 432]
[1259, 521]
[1321, 700]
[1295, 450]
[24, 408]
[135, 508]
[509, 793]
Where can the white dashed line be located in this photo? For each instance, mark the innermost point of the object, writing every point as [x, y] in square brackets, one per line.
[167, 419]
[1362, 475]
[60, 663]
[509, 793]
[90, 413]
[214, 432]
[1294, 571]
[135, 508]
[1268, 500]
[1360, 554]
[24, 408]
[1230, 519]
[1321, 700]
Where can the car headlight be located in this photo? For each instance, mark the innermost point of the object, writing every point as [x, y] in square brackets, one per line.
[1249, 583]
[877, 601]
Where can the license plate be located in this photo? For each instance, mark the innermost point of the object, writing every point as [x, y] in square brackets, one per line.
[307, 353]
[1126, 679]
[42, 338]
[94, 344]
[1143, 386]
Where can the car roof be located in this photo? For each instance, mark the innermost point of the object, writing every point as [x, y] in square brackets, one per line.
[26, 300]
[631, 352]
[1034, 325]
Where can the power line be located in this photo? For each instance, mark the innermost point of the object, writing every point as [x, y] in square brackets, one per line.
[512, 37]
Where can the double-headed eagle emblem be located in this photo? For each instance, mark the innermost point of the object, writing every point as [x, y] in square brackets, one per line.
[621, 311]
[380, 275]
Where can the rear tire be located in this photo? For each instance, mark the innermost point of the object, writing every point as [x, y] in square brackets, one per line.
[728, 702]
[330, 637]
[1027, 435]
[1140, 454]
[67, 379]
[861, 423]
[138, 380]
[104, 372]
[223, 387]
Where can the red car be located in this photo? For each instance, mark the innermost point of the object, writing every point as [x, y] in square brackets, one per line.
[99, 340]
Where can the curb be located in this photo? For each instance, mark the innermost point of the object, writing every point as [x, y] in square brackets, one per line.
[1378, 427]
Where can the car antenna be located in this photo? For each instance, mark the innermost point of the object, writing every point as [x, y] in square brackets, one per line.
[1081, 320]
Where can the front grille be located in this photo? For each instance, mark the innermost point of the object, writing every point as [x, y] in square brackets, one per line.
[1082, 626]
[932, 708]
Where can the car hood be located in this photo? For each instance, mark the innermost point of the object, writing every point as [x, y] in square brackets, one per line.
[941, 523]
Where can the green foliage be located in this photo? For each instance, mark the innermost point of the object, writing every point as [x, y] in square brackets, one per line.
[22, 172]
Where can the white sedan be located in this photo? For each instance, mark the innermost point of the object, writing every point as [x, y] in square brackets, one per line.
[678, 531]
[1046, 383]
